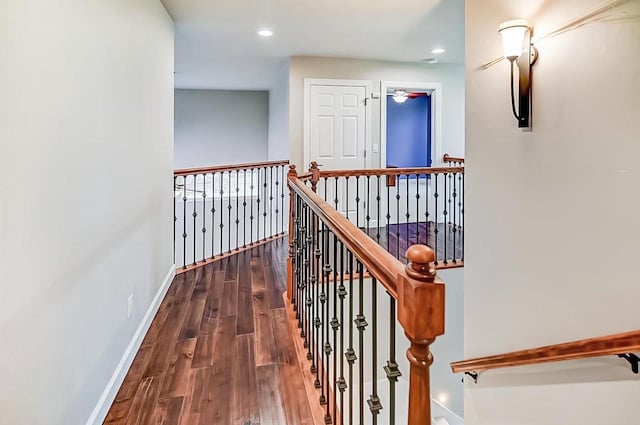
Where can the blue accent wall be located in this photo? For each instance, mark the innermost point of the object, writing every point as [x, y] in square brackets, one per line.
[409, 132]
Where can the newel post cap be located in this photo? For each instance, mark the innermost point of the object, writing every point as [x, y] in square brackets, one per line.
[421, 263]
[292, 170]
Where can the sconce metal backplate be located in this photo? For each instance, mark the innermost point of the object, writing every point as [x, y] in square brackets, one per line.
[525, 61]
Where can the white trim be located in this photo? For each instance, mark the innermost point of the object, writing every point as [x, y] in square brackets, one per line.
[111, 390]
[308, 82]
[436, 116]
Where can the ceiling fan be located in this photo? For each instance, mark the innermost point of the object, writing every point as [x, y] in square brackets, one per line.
[401, 96]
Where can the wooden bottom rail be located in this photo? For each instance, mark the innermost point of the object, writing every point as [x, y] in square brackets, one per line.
[228, 254]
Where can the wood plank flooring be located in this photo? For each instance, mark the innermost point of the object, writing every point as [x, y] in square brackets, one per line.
[397, 238]
[219, 350]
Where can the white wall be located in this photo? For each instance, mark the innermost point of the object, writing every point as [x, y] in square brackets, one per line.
[279, 114]
[450, 76]
[557, 207]
[220, 127]
[86, 124]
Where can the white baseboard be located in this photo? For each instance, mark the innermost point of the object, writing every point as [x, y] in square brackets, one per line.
[111, 390]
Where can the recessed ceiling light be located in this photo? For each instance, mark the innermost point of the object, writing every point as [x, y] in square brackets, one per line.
[265, 33]
[438, 50]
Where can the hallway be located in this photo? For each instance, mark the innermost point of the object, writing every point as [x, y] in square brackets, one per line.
[219, 350]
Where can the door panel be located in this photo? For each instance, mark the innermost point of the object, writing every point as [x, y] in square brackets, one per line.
[337, 130]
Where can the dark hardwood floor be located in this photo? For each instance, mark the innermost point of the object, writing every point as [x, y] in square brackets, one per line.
[219, 351]
[397, 238]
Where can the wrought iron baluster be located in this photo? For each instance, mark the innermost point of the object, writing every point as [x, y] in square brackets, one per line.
[184, 222]
[378, 210]
[445, 216]
[316, 364]
[417, 208]
[213, 214]
[455, 216]
[408, 214]
[271, 201]
[388, 216]
[398, 219]
[342, 293]
[277, 184]
[391, 369]
[259, 188]
[361, 324]
[327, 321]
[237, 206]
[204, 216]
[435, 224]
[194, 215]
[244, 209]
[335, 323]
[251, 217]
[374, 401]
[221, 212]
[350, 353]
[323, 300]
[175, 218]
[335, 200]
[346, 201]
[229, 214]
[462, 214]
[264, 207]
[358, 201]
[367, 202]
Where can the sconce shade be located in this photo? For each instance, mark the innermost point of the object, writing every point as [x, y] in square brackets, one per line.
[513, 35]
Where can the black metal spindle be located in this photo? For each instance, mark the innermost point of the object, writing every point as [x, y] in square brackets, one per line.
[335, 323]
[244, 209]
[221, 212]
[367, 203]
[454, 228]
[184, 222]
[251, 187]
[194, 215]
[204, 216]
[277, 183]
[350, 353]
[259, 188]
[398, 218]
[316, 363]
[436, 218]
[462, 216]
[271, 201]
[327, 321]
[392, 370]
[237, 207]
[388, 216]
[378, 210]
[361, 324]
[264, 207]
[346, 196]
[445, 217]
[417, 208]
[408, 214]
[213, 214]
[342, 293]
[323, 295]
[175, 218]
[229, 208]
[358, 201]
[374, 401]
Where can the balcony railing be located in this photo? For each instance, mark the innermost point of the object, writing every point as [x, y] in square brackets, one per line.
[354, 301]
[221, 210]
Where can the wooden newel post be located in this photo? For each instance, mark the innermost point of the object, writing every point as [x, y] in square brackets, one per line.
[421, 314]
[292, 174]
[315, 176]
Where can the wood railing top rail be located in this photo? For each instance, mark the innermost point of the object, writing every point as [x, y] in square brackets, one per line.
[622, 343]
[448, 158]
[390, 171]
[220, 168]
[380, 263]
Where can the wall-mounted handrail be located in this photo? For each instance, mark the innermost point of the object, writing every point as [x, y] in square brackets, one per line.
[622, 343]
[220, 168]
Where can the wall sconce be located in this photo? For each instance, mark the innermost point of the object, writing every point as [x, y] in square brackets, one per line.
[516, 41]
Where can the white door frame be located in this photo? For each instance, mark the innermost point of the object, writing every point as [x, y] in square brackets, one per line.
[308, 82]
[436, 116]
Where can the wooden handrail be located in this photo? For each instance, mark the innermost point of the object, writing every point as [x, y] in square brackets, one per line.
[622, 343]
[390, 171]
[448, 158]
[380, 263]
[221, 168]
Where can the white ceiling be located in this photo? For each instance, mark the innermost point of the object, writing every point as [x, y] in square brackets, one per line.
[217, 45]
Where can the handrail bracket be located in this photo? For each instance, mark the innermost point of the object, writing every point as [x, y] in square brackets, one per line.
[633, 360]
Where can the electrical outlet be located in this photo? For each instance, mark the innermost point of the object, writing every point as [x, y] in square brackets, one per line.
[375, 148]
[129, 306]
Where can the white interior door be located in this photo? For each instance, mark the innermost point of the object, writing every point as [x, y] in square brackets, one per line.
[336, 135]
